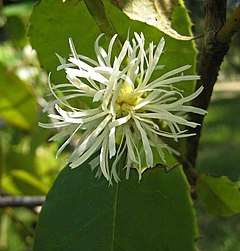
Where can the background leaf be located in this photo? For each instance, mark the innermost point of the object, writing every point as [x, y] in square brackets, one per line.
[16, 98]
[30, 180]
[83, 213]
[15, 30]
[219, 195]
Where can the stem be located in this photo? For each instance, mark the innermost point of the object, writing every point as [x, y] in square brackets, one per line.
[97, 10]
[212, 56]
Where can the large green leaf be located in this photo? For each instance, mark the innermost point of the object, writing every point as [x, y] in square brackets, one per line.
[84, 213]
[18, 105]
[219, 195]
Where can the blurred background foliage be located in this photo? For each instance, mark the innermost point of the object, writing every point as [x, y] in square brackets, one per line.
[24, 147]
[25, 150]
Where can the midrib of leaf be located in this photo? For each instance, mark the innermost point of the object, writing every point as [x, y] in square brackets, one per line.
[114, 214]
[115, 201]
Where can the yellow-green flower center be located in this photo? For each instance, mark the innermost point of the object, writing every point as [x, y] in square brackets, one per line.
[126, 100]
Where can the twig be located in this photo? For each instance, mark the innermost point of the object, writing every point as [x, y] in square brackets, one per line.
[24, 230]
[21, 201]
[230, 27]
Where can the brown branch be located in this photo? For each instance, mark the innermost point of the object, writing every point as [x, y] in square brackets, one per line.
[21, 201]
[212, 56]
[218, 34]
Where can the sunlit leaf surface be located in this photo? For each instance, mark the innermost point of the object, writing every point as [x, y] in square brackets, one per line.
[157, 13]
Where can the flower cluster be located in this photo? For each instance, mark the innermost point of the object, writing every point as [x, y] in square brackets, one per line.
[133, 113]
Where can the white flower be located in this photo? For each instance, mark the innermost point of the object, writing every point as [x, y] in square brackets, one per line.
[133, 113]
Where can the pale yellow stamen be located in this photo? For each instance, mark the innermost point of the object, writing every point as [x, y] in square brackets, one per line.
[126, 100]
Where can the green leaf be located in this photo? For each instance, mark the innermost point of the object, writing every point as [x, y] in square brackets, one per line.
[84, 213]
[219, 195]
[157, 13]
[17, 102]
[52, 24]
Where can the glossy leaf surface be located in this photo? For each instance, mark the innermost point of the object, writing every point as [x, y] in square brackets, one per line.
[84, 213]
